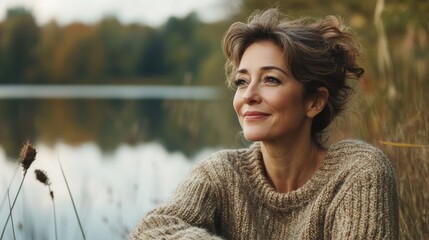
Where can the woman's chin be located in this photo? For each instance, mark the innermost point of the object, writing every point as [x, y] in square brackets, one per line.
[252, 137]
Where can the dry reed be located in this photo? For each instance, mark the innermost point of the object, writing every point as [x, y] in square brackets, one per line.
[26, 158]
[396, 111]
[42, 177]
[390, 111]
[11, 216]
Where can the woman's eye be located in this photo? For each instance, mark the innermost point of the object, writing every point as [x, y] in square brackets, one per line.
[239, 82]
[272, 80]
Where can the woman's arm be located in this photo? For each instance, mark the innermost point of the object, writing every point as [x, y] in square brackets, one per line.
[190, 214]
[369, 207]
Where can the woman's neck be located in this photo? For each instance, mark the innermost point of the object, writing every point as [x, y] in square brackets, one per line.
[290, 165]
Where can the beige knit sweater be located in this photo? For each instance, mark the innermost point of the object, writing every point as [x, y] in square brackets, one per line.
[351, 196]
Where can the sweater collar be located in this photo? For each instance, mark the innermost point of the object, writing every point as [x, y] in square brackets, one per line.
[252, 165]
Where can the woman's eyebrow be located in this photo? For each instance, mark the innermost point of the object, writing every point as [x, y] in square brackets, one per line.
[265, 68]
[243, 70]
[274, 68]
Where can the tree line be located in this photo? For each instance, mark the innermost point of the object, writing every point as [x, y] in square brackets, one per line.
[108, 51]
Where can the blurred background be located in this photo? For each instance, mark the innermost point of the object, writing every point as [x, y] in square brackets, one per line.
[123, 153]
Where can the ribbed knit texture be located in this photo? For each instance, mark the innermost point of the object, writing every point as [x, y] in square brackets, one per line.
[352, 195]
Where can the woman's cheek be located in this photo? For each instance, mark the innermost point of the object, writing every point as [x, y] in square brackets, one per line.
[237, 103]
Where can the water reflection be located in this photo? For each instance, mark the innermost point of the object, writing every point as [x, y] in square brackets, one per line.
[179, 125]
[121, 158]
[112, 191]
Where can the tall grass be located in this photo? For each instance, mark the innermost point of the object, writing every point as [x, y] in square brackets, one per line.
[43, 178]
[405, 122]
[392, 106]
[26, 158]
[401, 115]
[71, 198]
[390, 110]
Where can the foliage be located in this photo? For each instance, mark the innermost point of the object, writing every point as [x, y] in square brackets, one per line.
[18, 43]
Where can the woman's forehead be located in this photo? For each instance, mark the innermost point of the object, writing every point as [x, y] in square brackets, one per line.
[264, 55]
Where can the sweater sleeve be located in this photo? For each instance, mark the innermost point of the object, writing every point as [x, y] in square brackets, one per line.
[369, 207]
[189, 214]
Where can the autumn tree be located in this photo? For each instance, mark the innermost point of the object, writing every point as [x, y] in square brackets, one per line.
[19, 38]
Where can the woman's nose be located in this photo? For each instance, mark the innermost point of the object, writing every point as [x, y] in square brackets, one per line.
[251, 95]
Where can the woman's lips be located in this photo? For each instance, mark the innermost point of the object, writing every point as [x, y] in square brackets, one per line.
[254, 115]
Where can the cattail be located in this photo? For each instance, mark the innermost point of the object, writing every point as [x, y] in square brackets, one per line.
[42, 177]
[26, 158]
[27, 155]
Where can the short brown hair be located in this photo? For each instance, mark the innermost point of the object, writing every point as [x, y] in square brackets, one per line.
[320, 53]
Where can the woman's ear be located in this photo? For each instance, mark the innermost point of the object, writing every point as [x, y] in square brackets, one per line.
[317, 102]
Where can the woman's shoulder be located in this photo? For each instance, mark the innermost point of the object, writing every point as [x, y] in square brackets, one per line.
[359, 156]
[227, 163]
[224, 157]
[352, 144]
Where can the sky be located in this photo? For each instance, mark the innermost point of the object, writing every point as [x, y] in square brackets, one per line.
[149, 12]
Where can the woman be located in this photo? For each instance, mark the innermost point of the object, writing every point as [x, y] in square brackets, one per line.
[290, 79]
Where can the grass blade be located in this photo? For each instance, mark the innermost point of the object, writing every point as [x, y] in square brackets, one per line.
[55, 214]
[3, 202]
[13, 205]
[71, 197]
[11, 216]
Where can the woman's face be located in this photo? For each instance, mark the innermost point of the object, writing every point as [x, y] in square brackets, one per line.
[269, 102]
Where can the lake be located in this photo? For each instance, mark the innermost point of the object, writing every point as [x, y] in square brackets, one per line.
[111, 191]
[124, 150]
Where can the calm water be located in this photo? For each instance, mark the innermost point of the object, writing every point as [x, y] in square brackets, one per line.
[184, 119]
[124, 150]
[112, 191]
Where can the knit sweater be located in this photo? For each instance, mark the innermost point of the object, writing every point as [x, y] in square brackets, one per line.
[352, 195]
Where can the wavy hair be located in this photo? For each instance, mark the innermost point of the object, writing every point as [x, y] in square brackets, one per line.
[319, 53]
